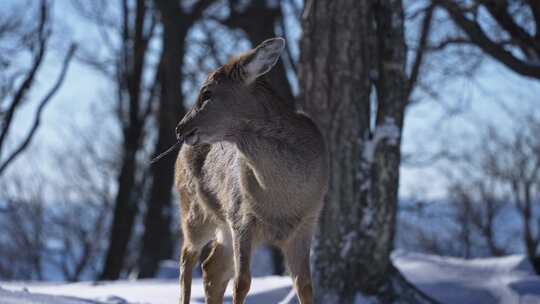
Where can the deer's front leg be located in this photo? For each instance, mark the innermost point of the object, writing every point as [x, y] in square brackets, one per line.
[242, 244]
[188, 259]
[218, 268]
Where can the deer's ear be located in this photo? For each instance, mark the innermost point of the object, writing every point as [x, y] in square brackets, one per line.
[263, 58]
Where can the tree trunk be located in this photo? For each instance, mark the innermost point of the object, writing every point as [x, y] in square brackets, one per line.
[132, 61]
[125, 211]
[157, 242]
[353, 81]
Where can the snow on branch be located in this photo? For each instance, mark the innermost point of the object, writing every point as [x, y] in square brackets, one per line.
[388, 131]
[349, 238]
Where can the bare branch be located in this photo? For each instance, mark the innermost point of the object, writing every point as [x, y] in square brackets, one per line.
[424, 35]
[499, 12]
[477, 35]
[210, 42]
[439, 46]
[25, 86]
[41, 107]
[535, 8]
[199, 8]
[288, 51]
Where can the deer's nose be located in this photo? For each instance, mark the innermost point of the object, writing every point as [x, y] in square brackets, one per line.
[178, 131]
[185, 124]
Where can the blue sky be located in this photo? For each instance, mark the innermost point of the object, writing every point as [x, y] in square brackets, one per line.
[427, 125]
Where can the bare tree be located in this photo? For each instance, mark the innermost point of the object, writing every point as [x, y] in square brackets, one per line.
[470, 223]
[492, 181]
[24, 221]
[126, 30]
[58, 220]
[16, 36]
[354, 83]
[46, 234]
[507, 32]
[78, 222]
[177, 20]
[512, 163]
[477, 207]
[137, 30]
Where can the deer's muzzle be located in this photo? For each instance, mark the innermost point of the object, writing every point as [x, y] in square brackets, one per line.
[186, 131]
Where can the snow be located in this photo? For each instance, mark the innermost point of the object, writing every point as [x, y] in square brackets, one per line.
[509, 279]
[349, 238]
[388, 130]
[271, 289]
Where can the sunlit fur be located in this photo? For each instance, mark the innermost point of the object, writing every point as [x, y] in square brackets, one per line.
[256, 172]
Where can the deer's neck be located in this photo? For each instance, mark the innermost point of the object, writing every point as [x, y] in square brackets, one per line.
[272, 149]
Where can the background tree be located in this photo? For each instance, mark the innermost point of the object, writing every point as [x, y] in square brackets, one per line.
[176, 21]
[478, 203]
[354, 83]
[56, 223]
[23, 219]
[126, 28]
[80, 221]
[134, 107]
[507, 172]
[471, 39]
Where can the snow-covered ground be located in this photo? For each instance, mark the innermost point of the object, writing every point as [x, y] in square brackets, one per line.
[492, 280]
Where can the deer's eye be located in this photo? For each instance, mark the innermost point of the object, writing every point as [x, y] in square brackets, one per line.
[205, 95]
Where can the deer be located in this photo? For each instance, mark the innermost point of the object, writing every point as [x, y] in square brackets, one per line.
[251, 170]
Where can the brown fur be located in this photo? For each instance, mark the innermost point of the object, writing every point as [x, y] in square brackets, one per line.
[255, 171]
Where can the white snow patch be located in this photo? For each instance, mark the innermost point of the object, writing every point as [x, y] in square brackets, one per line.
[366, 183]
[508, 279]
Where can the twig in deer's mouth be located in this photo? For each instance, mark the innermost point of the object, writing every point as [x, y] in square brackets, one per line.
[163, 154]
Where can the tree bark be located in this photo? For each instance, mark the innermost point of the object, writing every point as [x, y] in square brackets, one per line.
[130, 80]
[157, 241]
[353, 83]
[125, 211]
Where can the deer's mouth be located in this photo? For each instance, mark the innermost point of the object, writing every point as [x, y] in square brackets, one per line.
[191, 137]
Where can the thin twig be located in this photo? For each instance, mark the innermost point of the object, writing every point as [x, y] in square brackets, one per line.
[424, 36]
[163, 154]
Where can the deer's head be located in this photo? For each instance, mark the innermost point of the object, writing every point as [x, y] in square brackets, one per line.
[227, 97]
